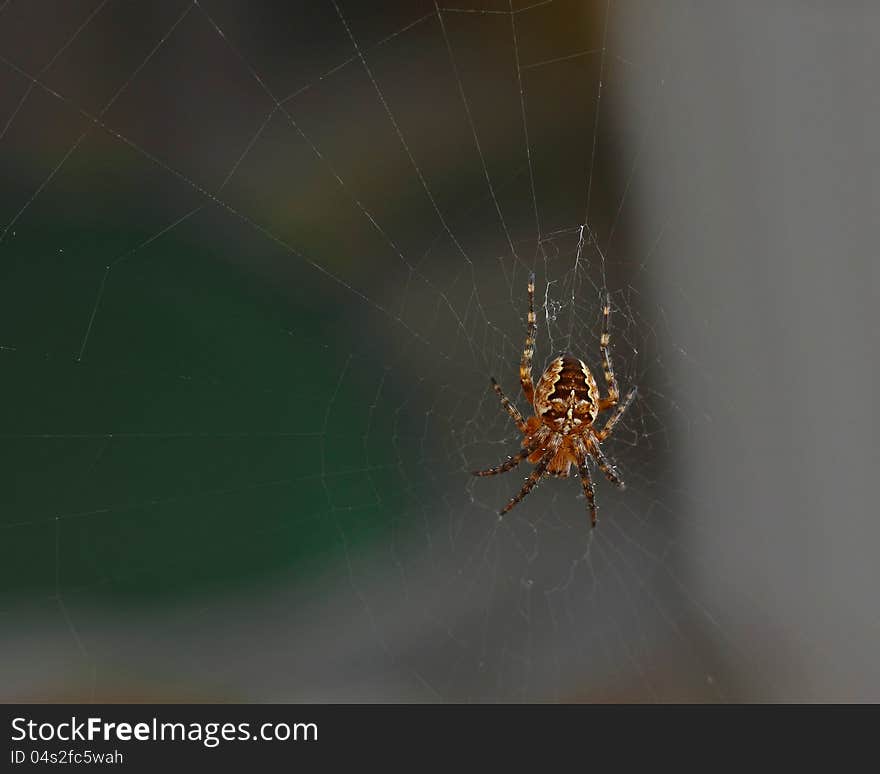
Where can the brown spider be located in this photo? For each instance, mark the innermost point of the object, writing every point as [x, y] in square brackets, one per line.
[561, 433]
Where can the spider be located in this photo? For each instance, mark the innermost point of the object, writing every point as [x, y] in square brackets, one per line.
[566, 402]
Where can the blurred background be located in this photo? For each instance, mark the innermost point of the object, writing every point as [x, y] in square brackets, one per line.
[258, 262]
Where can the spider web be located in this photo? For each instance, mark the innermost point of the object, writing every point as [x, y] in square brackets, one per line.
[260, 261]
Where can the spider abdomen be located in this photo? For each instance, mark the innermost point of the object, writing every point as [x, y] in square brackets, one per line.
[566, 397]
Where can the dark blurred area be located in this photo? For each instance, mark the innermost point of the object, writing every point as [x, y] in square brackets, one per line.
[258, 262]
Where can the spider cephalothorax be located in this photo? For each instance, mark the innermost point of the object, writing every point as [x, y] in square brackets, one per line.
[566, 402]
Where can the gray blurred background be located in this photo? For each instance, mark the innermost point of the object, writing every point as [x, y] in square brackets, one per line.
[258, 262]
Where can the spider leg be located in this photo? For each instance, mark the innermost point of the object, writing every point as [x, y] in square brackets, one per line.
[505, 466]
[586, 478]
[539, 470]
[525, 365]
[509, 407]
[610, 378]
[587, 483]
[610, 471]
[615, 417]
